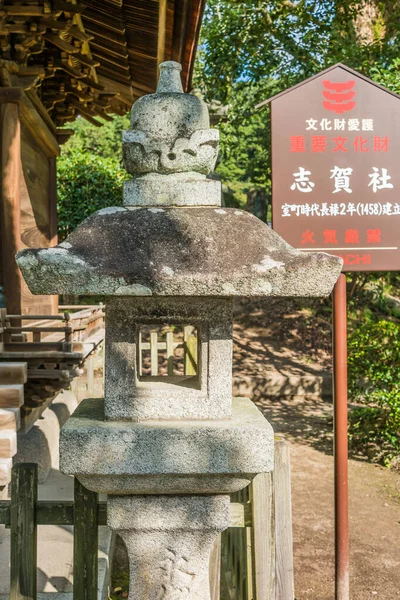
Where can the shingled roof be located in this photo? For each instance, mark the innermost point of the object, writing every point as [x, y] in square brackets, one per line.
[95, 58]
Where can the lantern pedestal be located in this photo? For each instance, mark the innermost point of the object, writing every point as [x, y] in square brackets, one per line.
[166, 456]
[168, 540]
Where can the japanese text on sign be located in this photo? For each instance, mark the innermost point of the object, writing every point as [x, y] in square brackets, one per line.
[335, 180]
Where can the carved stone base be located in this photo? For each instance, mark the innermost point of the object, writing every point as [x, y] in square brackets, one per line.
[168, 540]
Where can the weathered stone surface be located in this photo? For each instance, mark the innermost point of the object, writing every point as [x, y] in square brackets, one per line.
[177, 252]
[205, 396]
[170, 131]
[181, 189]
[168, 540]
[166, 456]
[145, 154]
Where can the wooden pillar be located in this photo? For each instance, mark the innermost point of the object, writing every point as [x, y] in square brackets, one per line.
[53, 217]
[162, 28]
[10, 168]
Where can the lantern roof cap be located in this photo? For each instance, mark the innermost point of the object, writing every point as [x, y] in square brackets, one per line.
[186, 251]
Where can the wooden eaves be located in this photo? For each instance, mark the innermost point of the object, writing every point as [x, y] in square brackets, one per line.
[94, 58]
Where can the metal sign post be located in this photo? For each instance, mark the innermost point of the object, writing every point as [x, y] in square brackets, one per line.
[335, 188]
[340, 440]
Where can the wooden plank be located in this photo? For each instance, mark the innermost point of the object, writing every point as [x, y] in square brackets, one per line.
[31, 347]
[240, 514]
[154, 352]
[263, 537]
[90, 375]
[283, 523]
[140, 354]
[11, 395]
[42, 354]
[10, 419]
[181, 17]
[13, 372]
[10, 168]
[215, 569]
[85, 543]
[51, 512]
[24, 484]
[10, 94]
[37, 127]
[36, 317]
[35, 217]
[162, 28]
[23, 11]
[8, 444]
[170, 352]
[191, 351]
[28, 328]
[228, 588]
[52, 218]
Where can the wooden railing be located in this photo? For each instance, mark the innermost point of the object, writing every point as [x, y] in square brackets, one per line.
[252, 560]
[55, 348]
[25, 512]
[84, 320]
[255, 558]
[32, 337]
[57, 333]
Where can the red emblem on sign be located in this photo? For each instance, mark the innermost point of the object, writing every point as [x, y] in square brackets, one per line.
[338, 96]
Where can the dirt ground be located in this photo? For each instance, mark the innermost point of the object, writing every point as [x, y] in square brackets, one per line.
[374, 509]
[272, 336]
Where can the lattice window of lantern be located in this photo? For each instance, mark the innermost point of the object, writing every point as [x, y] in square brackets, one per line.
[170, 351]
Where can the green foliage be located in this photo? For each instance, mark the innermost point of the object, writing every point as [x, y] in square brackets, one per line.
[106, 141]
[90, 173]
[374, 382]
[86, 183]
[253, 49]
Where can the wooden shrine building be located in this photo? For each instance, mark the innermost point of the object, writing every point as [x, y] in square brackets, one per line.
[60, 59]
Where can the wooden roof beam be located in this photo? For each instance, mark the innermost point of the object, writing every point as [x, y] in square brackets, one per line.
[64, 66]
[17, 10]
[181, 18]
[80, 35]
[68, 8]
[162, 29]
[86, 60]
[59, 43]
[87, 80]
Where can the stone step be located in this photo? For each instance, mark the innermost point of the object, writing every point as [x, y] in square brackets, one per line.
[11, 395]
[8, 444]
[13, 372]
[10, 419]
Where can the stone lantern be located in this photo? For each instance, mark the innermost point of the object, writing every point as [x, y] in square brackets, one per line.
[169, 449]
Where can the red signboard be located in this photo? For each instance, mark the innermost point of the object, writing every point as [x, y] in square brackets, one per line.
[336, 170]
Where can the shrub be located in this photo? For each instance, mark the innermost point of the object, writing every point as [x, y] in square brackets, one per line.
[374, 382]
[86, 183]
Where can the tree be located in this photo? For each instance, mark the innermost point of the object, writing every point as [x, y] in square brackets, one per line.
[253, 49]
[105, 141]
[90, 172]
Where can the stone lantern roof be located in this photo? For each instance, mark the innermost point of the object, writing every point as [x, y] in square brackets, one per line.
[172, 237]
